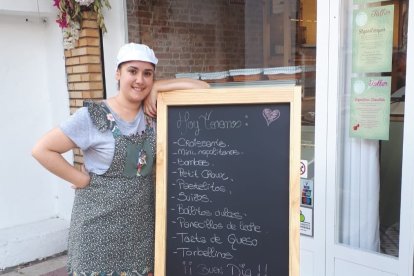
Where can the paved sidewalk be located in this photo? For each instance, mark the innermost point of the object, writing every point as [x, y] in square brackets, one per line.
[52, 266]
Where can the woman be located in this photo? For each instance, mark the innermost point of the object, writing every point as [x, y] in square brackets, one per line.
[112, 227]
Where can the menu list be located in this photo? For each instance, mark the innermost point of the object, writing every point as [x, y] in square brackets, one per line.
[228, 187]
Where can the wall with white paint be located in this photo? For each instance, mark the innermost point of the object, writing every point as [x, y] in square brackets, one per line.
[35, 206]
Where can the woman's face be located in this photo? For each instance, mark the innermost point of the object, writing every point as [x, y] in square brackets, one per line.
[135, 79]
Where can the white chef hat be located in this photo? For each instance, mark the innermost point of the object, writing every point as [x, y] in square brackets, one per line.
[135, 51]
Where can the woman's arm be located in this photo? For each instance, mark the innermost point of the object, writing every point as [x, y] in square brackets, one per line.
[48, 152]
[150, 103]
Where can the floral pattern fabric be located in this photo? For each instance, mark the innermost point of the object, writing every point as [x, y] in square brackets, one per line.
[112, 226]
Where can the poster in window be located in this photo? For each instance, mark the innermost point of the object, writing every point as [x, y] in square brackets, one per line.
[372, 39]
[357, 2]
[370, 108]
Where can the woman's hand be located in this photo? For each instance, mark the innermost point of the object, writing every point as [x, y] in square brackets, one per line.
[150, 102]
[83, 179]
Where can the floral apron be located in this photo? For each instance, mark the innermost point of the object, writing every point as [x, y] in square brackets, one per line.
[112, 225]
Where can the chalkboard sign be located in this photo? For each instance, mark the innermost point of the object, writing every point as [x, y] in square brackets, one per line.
[227, 182]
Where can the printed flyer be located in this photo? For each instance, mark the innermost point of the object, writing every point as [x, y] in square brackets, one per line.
[372, 39]
[306, 221]
[370, 108]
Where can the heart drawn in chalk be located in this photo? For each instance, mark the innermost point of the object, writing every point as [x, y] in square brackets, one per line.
[270, 115]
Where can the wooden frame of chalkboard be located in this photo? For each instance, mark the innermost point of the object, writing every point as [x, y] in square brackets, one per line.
[227, 182]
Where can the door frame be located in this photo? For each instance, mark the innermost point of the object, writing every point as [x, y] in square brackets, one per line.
[315, 247]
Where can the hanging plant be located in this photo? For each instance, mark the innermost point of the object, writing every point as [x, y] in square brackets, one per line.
[69, 17]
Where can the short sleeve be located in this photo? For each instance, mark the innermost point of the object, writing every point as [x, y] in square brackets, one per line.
[78, 128]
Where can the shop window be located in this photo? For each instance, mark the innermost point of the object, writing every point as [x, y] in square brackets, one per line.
[237, 43]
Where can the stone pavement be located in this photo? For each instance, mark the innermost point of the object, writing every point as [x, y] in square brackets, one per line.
[52, 266]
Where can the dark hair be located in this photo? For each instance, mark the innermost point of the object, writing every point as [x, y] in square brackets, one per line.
[122, 63]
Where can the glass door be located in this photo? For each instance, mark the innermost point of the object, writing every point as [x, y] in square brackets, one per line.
[369, 146]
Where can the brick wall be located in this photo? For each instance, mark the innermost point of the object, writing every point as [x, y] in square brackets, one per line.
[84, 69]
[198, 35]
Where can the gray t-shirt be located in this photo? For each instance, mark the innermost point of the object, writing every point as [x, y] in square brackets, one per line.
[98, 147]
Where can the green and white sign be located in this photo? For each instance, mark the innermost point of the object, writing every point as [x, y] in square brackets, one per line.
[306, 221]
[370, 108]
[357, 2]
[372, 39]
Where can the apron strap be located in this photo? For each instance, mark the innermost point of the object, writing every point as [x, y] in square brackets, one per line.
[111, 120]
[149, 121]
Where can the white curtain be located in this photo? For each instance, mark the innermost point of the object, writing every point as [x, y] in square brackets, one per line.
[359, 194]
[360, 183]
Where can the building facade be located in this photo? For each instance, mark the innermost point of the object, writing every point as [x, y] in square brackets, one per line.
[351, 59]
